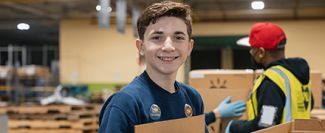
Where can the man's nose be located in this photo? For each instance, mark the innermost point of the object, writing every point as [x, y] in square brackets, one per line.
[168, 45]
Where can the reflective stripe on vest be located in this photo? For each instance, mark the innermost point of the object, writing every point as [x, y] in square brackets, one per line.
[288, 94]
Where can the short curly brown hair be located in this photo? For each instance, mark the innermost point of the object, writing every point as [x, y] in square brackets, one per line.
[166, 8]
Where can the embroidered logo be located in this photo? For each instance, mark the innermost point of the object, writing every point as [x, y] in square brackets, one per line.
[188, 110]
[155, 112]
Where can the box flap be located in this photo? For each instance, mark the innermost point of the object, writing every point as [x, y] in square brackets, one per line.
[282, 128]
[195, 124]
[307, 125]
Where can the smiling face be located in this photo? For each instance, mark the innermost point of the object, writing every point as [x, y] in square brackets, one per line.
[166, 45]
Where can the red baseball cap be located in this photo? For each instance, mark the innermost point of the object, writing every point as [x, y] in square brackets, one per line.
[266, 35]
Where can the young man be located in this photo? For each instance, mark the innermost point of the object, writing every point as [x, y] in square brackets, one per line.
[282, 93]
[165, 42]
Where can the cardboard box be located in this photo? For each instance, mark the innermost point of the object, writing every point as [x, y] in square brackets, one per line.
[212, 98]
[257, 73]
[298, 126]
[6, 72]
[282, 128]
[195, 124]
[222, 79]
[33, 71]
[318, 114]
[317, 88]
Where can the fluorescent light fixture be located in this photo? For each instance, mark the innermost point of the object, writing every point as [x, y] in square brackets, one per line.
[98, 8]
[257, 5]
[23, 26]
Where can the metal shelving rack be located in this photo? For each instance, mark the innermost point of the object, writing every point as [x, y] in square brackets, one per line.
[15, 56]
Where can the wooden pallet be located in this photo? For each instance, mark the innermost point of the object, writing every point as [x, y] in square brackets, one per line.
[4, 88]
[52, 118]
[51, 131]
[50, 109]
[3, 110]
[82, 124]
[76, 115]
[98, 107]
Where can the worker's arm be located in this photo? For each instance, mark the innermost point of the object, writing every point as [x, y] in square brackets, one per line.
[226, 109]
[270, 98]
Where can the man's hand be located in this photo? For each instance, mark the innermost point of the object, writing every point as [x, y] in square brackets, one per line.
[227, 109]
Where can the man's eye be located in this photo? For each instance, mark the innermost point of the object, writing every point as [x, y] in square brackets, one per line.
[155, 38]
[180, 38]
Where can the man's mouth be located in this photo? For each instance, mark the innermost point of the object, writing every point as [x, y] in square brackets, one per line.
[167, 58]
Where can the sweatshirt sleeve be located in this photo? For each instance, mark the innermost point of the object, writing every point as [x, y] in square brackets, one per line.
[209, 118]
[115, 121]
[118, 114]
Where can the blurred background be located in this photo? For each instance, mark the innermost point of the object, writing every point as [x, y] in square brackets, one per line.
[85, 49]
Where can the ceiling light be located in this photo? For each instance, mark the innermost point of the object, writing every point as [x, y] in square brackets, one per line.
[257, 5]
[98, 8]
[23, 26]
[109, 9]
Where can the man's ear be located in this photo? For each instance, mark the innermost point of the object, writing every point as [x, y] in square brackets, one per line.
[261, 53]
[191, 45]
[139, 45]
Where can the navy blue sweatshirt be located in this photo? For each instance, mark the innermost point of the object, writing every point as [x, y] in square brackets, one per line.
[143, 101]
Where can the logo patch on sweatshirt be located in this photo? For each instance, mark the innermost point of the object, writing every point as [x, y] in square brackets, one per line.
[188, 110]
[155, 112]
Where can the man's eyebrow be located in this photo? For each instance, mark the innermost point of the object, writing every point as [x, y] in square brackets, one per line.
[179, 32]
[158, 32]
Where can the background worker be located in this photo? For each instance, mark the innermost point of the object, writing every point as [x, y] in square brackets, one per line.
[282, 93]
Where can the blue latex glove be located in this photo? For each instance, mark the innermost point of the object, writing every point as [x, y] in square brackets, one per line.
[228, 127]
[228, 109]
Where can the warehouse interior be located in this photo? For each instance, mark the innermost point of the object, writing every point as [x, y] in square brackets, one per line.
[52, 50]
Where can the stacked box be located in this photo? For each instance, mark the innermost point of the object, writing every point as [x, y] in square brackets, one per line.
[6, 74]
[215, 85]
[33, 71]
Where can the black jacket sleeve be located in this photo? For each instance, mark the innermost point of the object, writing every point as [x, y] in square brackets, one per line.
[209, 118]
[267, 94]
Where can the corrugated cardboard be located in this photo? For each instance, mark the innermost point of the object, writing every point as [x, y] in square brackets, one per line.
[257, 73]
[318, 114]
[222, 79]
[282, 128]
[308, 125]
[5, 72]
[317, 88]
[194, 124]
[212, 98]
[215, 85]
[33, 71]
[298, 126]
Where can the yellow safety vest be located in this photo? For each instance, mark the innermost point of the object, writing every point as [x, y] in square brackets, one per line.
[297, 94]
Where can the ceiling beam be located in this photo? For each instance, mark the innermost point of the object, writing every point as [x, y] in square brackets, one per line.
[29, 9]
[224, 15]
[295, 8]
[37, 1]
